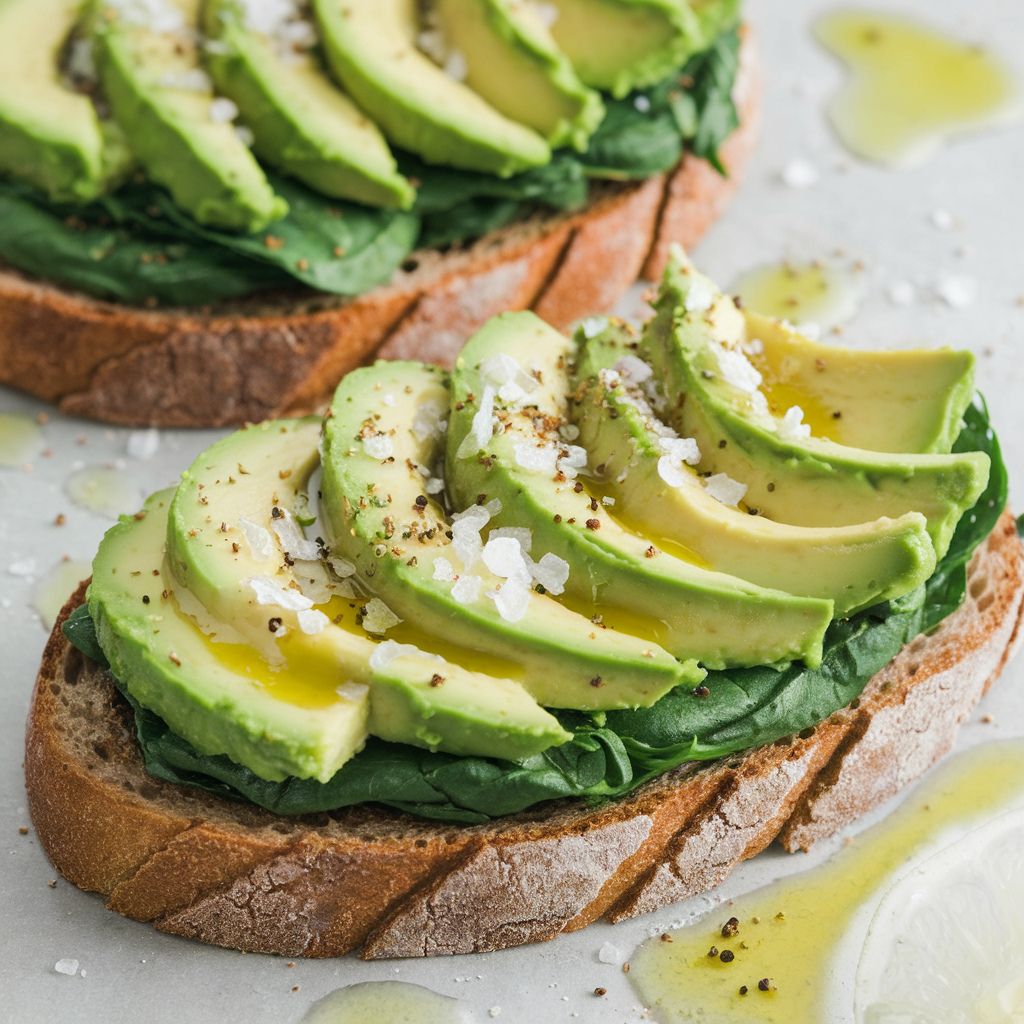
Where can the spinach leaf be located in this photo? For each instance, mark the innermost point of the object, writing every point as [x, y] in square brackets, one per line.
[87, 252]
[80, 630]
[609, 754]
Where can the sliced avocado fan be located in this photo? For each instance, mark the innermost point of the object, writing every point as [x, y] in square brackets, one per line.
[50, 135]
[301, 122]
[371, 48]
[248, 576]
[515, 65]
[511, 444]
[384, 435]
[621, 45]
[181, 132]
[697, 345]
[649, 471]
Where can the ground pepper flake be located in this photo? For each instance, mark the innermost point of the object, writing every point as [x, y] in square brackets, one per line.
[727, 956]
[600, 991]
[730, 928]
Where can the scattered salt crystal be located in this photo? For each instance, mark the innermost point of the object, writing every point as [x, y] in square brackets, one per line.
[809, 329]
[429, 420]
[378, 617]
[503, 372]
[572, 459]
[342, 567]
[504, 557]
[494, 1011]
[293, 541]
[378, 446]
[700, 296]
[642, 103]
[434, 485]
[942, 219]
[737, 369]
[792, 427]
[66, 966]
[724, 489]
[536, 458]
[521, 534]
[569, 431]
[190, 80]
[759, 403]
[223, 110]
[957, 290]
[755, 346]
[482, 428]
[609, 954]
[312, 621]
[901, 293]
[245, 134]
[512, 599]
[261, 544]
[608, 500]
[493, 507]
[685, 449]
[800, 173]
[143, 444]
[466, 589]
[592, 326]
[456, 66]
[24, 567]
[443, 569]
[358, 691]
[269, 591]
[387, 651]
[551, 572]
[634, 370]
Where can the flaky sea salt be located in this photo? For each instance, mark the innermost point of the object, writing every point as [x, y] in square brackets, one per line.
[504, 557]
[466, 589]
[66, 966]
[269, 591]
[443, 569]
[481, 429]
[958, 291]
[521, 534]
[700, 296]
[378, 446]
[429, 420]
[293, 540]
[378, 617]
[724, 489]
[341, 567]
[800, 173]
[143, 444]
[592, 326]
[260, 542]
[357, 692]
[536, 458]
[505, 374]
[223, 110]
[551, 572]
[633, 369]
[737, 369]
[791, 426]
[512, 599]
[387, 651]
[312, 621]
[609, 954]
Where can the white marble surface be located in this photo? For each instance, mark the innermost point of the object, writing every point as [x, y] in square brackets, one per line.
[883, 218]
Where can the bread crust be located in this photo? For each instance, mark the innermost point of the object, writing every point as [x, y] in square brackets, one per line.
[390, 885]
[281, 356]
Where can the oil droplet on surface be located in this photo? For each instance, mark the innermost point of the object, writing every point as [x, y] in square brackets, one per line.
[911, 87]
[788, 932]
[50, 592]
[387, 1002]
[105, 490]
[803, 293]
[20, 439]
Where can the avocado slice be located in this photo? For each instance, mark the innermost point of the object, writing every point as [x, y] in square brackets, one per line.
[659, 494]
[298, 720]
[621, 45]
[161, 98]
[910, 400]
[50, 135]
[526, 461]
[385, 429]
[301, 122]
[248, 573]
[695, 344]
[371, 50]
[515, 65]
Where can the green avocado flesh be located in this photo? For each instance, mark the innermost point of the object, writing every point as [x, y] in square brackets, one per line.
[853, 566]
[50, 135]
[487, 113]
[696, 344]
[693, 611]
[383, 606]
[379, 515]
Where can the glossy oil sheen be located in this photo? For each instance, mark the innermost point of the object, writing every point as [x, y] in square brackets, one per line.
[53, 589]
[801, 293]
[387, 1002]
[103, 489]
[910, 86]
[20, 439]
[789, 931]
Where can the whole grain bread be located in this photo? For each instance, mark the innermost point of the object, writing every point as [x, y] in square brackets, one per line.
[391, 885]
[281, 355]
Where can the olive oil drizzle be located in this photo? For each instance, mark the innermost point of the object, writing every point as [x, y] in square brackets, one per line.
[767, 956]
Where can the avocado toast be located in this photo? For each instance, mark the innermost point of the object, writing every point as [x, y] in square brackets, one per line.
[308, 183]
[437, 684]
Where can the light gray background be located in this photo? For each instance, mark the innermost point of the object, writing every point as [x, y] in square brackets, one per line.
[880, 217]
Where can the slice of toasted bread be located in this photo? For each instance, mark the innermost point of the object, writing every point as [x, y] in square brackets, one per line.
[273, 356]
[231, 874]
